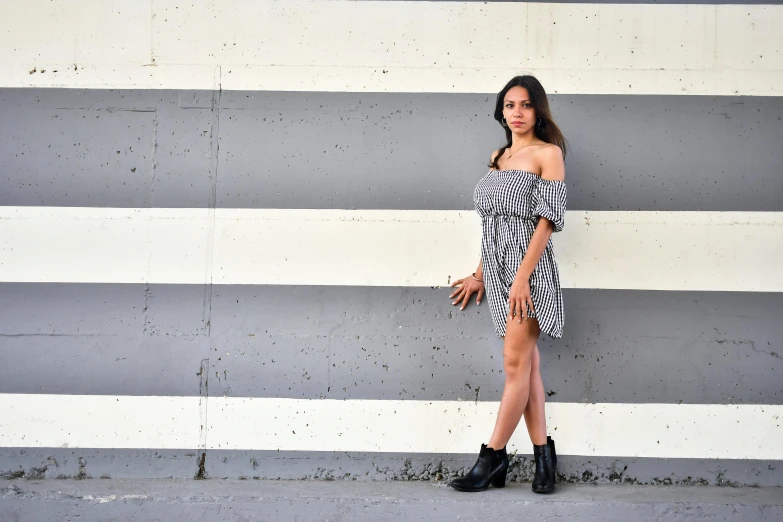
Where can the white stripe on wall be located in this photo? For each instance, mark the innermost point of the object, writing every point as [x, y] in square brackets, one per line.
[99, 421]
[731, 251]
[318, 45]
[616, 430]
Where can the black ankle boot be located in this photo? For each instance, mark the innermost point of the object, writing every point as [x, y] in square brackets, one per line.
[490, 468]
[544, 479]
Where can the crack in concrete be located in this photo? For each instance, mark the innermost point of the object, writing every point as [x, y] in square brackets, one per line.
[202, 471]
[59, 335]
[295, 335]
[752, 345]
[146, 325]
[109, 109]
[208, 276]
[213, 169]
[203, 388]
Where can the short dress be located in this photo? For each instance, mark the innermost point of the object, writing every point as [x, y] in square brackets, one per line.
[510, 203]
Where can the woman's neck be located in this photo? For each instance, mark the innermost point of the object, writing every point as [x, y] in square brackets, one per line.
[523, 140]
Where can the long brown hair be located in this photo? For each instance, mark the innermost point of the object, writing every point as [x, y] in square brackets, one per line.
[545, 128]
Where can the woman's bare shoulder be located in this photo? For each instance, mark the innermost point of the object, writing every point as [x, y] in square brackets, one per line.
[550, 157]
[549, 150]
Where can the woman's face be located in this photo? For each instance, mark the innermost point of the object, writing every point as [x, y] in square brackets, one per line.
[518, 111]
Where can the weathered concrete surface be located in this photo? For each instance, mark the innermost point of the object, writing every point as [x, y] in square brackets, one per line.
[173, 500]
[125, 463]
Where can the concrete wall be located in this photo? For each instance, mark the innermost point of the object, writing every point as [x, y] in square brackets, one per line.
[228, 229]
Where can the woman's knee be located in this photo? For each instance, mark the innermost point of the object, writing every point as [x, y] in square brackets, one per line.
[519, 345]
[516, 365]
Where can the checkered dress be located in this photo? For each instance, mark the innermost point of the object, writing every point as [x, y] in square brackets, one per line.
[510, 203]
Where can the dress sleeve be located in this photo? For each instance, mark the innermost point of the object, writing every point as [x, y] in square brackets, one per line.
[549, 201]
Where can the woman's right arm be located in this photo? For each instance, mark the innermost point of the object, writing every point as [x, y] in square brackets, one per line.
[474, 282]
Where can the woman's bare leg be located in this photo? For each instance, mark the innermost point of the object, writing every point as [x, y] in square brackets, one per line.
[535, 415]
[518, 348]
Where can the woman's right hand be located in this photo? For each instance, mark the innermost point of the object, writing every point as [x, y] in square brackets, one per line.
[468, 286]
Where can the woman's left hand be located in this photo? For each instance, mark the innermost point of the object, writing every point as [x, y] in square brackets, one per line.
[519, 298]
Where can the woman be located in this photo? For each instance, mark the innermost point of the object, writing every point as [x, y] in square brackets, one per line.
[521, 201]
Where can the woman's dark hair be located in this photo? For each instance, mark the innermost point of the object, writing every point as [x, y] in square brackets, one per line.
[545, 128]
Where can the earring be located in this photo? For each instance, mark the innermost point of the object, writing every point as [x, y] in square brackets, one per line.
[503, 123]
[539, 122]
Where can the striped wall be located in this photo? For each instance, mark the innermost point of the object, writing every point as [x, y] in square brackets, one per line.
[227, 231]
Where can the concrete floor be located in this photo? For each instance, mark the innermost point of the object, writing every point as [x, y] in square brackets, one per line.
[230, 500]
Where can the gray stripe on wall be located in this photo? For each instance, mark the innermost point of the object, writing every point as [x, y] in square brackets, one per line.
[382, 343]
[96, 148]
[42, 463]
[103, 339]
[146, 148]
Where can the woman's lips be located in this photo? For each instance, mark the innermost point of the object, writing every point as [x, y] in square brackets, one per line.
[516, 123]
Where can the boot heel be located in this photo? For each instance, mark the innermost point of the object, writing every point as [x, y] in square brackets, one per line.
[551, 442]
[500, 480]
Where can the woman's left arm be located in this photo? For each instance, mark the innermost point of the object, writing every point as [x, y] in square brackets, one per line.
[552, 168]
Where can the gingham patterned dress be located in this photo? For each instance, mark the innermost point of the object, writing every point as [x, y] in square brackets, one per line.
[510, 203]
